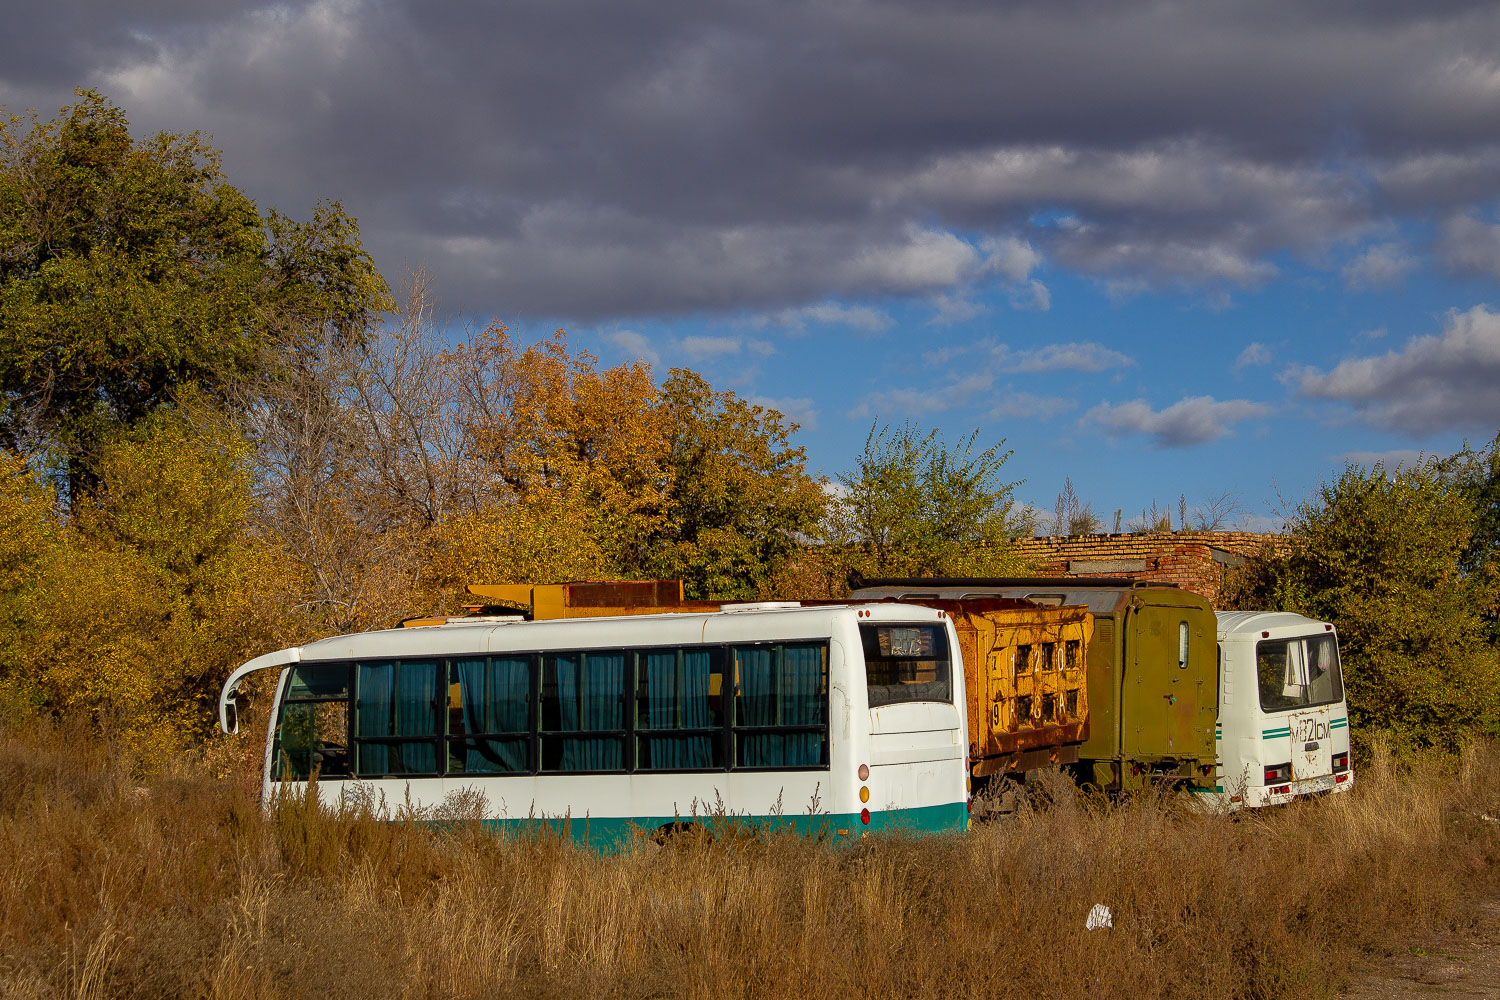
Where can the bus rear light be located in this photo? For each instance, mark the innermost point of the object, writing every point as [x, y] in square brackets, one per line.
[864, 816]
[1281, 789]
[864, 793]
[864, 772]
[1339, 779]
[1278, 772]
[1341, 762]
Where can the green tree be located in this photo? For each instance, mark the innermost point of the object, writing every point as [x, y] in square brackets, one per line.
[1476, 474]
[739, 501]
[1381, 556]
[915, 506]
[129, 270]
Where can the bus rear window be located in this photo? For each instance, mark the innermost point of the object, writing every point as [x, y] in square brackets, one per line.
[1298, 673]
[906, 663]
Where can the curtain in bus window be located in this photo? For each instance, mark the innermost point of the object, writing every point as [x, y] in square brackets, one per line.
[590, 693]
[373, 713]
[1323, 669]
[802, 703]
[757, 678]
[697, 665]
[677, 698]
[417, 715]
[397, 699]
[495, 695]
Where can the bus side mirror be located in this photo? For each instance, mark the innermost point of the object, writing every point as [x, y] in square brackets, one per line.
[231, 720]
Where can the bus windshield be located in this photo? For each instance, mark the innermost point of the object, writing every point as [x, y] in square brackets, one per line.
[1298, 673]
[906, 663]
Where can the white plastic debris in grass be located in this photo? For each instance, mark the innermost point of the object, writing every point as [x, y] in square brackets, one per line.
[1099, 917]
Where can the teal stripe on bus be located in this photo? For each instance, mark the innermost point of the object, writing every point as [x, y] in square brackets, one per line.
[1339, 724]
[614, 834]
[1270, 733]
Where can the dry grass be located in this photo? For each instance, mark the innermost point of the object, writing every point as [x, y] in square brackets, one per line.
[183, 887]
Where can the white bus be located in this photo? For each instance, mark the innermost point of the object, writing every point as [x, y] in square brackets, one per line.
[833, 719]
[1283, 726]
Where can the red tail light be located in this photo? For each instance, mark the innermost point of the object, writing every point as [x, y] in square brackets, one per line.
[1341, 762]
[1278, 772]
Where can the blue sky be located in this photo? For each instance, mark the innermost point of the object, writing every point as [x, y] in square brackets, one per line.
[1161, 248]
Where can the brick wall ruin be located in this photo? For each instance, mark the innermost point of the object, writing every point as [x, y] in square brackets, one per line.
[1194, 560]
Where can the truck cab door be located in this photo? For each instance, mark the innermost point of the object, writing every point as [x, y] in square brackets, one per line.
[1171, 683]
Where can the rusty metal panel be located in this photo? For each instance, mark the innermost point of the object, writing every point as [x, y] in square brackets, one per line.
[1025, 675]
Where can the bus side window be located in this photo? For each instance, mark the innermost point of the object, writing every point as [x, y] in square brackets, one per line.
[312, 732]
[584, 694]
[489, 714]
[781, 713]
[679, 709]
[397, 723]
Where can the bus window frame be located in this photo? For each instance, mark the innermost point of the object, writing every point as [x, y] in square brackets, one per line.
[727, 732]
[1260, 693]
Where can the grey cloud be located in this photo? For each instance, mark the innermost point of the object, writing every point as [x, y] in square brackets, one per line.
[1470, 246]
[1190, 421]
[596, 159]
[1399, 458]
[1447, 381]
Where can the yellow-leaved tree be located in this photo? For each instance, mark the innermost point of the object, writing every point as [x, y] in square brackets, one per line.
[155, 591]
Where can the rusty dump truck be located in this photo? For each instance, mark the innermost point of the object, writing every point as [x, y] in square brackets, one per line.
[1113, 679]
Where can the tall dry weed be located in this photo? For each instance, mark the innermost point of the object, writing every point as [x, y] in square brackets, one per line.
[184, 886]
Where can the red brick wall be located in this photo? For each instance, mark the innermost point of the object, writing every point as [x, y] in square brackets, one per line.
[1194, 560]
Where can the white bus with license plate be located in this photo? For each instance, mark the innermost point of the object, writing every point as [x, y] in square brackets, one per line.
[1283, 728]
[830, 719]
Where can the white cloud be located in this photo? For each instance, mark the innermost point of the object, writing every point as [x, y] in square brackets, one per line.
[1380, 266]
[1010, 256]
[1451, 380]
[916, 402]
[703, 348]
[1085, 357]
[1041, 298]
[800, 410]
[863, 318]
[926, 258]
[1470, 246]
[1190, 421]
[635, 345]
[1025, 404]
[942, 355]
[1255, 353]
[949, 309]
